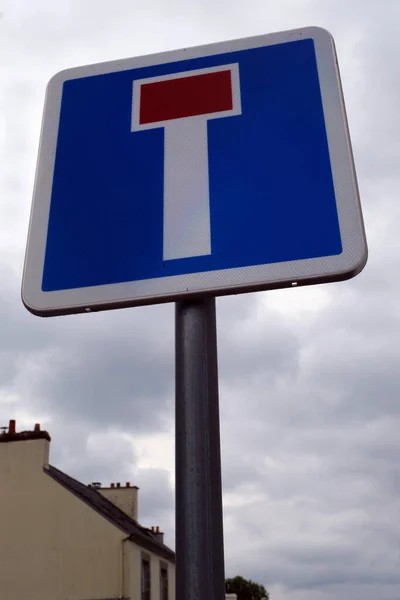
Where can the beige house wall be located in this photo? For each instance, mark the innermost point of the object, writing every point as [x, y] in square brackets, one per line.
[54, 546]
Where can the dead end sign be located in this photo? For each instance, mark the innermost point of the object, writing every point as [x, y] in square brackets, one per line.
[219, 169]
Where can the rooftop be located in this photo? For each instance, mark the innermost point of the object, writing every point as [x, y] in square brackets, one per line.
[9, 434]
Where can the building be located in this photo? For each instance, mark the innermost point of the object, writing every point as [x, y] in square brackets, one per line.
[63, 540]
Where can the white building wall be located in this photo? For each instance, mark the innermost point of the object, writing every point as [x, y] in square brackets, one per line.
[135, 563]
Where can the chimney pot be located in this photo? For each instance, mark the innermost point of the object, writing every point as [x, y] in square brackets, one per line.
[112, 485]
[158, 534]
[118, 484]
[11, 427]
[37, 427]
[128, 484]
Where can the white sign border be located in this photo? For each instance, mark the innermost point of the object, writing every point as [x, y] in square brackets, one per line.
[228, 281]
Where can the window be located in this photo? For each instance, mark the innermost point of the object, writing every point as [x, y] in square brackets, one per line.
[146, 580]
[163, 581]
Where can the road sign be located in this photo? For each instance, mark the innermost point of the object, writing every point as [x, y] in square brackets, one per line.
[219, 169]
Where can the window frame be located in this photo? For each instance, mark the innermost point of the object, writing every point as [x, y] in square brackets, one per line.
[164, 568]
[145, 591]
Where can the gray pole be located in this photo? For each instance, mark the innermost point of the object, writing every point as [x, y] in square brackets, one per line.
[199, 528]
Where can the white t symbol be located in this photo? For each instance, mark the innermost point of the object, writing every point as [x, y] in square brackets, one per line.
[182, 103]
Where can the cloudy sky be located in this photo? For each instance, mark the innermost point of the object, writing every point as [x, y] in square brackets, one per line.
[309, 378]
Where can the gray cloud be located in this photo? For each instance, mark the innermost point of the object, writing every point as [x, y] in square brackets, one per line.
[309, 393]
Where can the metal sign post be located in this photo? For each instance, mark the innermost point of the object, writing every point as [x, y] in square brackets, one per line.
[199, 526]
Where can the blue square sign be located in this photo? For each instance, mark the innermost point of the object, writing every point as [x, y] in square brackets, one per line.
[213, 170]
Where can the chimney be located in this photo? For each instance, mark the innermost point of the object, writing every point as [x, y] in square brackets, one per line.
[125, 498]
[30, 453]
[158, 534]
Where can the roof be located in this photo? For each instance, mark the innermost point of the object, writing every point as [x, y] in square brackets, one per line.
[24, 436]
[90, 496]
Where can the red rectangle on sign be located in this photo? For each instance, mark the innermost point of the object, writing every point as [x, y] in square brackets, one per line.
[185, 97]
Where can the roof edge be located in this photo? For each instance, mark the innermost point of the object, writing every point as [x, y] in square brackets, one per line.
[24, 436]
[149, 544]
[108, 510]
